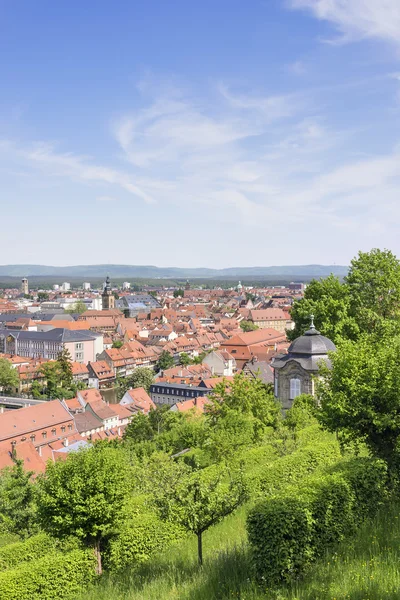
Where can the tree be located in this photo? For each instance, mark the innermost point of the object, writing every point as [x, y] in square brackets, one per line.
[51, 373]
[329, 301]
[359, 395]
[139, 429]
[374, 287]
[165, 361]
[84, 495]
[185, 359]
[78, 307]
[116, 295]
[117, 344]
[250, 296]
[141, 377]
[179, 293]
[9, 379]
[64, 360]
[17, 500]
[153, 293]
[248, 326]
[42, 296]
[200, 499]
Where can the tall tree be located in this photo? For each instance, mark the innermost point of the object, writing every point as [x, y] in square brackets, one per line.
[165, 361]
[83, 495]
[329, 301]
[9, 379]
[64, 360]
[17, 501]
[359, 395]
[141, 377]
[374, 288]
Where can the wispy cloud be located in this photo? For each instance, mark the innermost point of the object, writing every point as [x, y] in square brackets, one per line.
[358, 19]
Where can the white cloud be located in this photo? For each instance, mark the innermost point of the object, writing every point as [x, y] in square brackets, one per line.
[106, 199]
[358, 19]
[297, 68]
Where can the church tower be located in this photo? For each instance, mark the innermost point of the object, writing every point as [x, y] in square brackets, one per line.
[107, 296]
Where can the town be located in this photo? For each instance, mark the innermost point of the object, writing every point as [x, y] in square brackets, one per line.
[189, 339]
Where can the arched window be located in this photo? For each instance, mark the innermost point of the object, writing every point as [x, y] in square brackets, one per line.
[295, 388]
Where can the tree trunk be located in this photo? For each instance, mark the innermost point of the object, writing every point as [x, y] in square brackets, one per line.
[200, 547]
[99, 568]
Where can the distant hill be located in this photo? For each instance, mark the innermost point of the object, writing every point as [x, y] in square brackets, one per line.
[141, 271]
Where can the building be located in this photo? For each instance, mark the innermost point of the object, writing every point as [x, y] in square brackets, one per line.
[221, 363]
[137, 400]
[294, 372]
[253, 343]
[126, 285]
[24, 286]
[274, 318]
[107, 296]
[66, 286]
[172, 393]
[133, 304]
[86, 285]
[82, 345]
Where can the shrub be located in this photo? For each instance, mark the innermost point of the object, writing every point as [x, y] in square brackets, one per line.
[290, 530]
[59, 576]
[139, 538]
[30, 549]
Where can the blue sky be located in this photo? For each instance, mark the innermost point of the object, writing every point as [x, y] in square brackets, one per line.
[215, 133]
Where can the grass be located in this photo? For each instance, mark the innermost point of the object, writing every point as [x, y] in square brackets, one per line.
[366, 567]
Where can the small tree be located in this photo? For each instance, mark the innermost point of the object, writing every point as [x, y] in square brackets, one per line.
[179, 293]
[17, 500]
[78, 308]
[117, 344]
[64, 360]
[9, 379]
[165, 361]
[202, 499]
[184, 359]
[141, 377]
[248, 326]
[83, 495]
[42, 296]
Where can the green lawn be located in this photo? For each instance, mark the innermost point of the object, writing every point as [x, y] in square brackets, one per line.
[365, 568]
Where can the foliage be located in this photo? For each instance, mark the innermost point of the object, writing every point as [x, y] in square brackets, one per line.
[58, 376]
[359, 395]
[30, 549]
[302, 413]
[250, 296]
[84, 494]
[373, 281]
[179, 293]
[184, 359]
[141, 377]
[17, 501]
[9, 380]
[117, 344]
[289, 531]
[63, 361]
[42, 296]
[165, 361]
[329, 301]
[78, 307]
[201, 499]
[55, 576]
[248, 326]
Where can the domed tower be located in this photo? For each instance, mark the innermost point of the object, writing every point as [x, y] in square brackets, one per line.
[295, 371]
[107, 296]
[239, 287]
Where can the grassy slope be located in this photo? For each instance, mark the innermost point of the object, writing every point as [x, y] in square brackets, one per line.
[365, 568]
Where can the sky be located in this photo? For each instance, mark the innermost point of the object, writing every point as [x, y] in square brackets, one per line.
[210, 133]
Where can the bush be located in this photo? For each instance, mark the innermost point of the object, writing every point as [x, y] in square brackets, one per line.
[30, 549]
[291, 469]
[139, 539]
[289, 531]
[59, 576]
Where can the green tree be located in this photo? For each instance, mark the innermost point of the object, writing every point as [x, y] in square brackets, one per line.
[64, 362]
[329, 301]
[374, 287]
[248, 326]
[17, 501]
[51, 373]
[201, 499]
[139, 429]
[153, 293]
[42, 296]
[84, 495]
[179, 293]
[184, 359]
[9, 379]
[141, 377]
[250, 296]
[359, 395]
[117, 344]
[165, 361]
[78, 307]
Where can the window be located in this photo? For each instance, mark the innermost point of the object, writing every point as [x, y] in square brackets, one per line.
[233, 351]
[54, 431]
[78, 356]
[276, 386]
[295, 388]
[33, 437]
[79, 346]
[63, 429]
[44, 435]
[70, 427]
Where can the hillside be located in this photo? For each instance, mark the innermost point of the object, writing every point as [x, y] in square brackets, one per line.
[149, 271]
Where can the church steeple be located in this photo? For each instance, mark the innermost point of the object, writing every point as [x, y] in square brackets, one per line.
[107, 295]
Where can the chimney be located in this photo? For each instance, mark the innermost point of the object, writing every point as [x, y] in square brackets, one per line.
[39, 449]
[65, 442]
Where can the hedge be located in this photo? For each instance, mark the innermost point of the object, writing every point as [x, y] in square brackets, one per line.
[293, 528]
[140, 538]
[292, 468]
[25, 551]
[57, 576]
